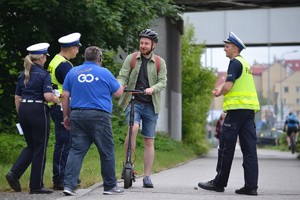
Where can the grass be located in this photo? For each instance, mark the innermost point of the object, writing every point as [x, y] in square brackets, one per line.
[168, 153]
[283, 146]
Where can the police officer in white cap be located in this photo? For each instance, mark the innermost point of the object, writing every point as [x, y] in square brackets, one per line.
[59, 67]
[33, 91]
[240, 103]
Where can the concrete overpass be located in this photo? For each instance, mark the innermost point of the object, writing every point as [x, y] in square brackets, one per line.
[170, 118]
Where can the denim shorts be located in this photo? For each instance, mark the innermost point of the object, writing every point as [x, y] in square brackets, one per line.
[146, 114]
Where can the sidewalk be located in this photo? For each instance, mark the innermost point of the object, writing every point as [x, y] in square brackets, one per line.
[279, 178]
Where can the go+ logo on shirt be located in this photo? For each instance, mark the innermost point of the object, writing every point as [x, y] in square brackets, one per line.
[87, 78]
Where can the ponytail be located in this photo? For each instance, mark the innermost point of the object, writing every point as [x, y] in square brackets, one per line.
[28, 63]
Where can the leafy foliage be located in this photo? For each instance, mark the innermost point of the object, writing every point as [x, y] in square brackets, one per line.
[197, 84]
[10, 147]
[109, 24]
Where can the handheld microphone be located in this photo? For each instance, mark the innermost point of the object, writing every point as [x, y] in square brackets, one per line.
[55, 90]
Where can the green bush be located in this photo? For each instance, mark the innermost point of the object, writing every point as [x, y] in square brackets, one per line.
[197, 84]
[11, 146]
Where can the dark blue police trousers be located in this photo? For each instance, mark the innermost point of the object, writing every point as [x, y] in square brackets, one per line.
[238, 123]
[61, 147]
[35, 121]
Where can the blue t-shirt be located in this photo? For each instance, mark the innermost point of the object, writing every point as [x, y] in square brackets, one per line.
[91, 87]
[234, 70]
[62, 70]
[38, 84]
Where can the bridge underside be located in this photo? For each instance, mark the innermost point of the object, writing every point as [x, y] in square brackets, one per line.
[218, 5]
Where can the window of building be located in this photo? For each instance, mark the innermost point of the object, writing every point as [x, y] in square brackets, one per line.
[298, 112]
[298, 101]
[298, 89]
[286, 89]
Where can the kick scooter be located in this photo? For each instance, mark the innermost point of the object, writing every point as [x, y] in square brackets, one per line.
[128, 173]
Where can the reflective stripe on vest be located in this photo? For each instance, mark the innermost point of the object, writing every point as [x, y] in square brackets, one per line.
[243, 94]
[52, 67]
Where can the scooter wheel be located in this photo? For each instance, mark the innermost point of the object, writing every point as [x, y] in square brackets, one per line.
[127, 178]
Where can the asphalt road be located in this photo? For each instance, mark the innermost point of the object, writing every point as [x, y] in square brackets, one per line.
[279, 178]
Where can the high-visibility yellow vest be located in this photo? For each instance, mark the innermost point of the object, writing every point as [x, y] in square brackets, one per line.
[52, 67]
[243, 94]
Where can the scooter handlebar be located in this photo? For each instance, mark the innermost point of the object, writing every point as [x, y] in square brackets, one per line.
[134, 91]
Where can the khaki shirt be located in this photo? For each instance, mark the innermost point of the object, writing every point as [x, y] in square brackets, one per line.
[157, 80]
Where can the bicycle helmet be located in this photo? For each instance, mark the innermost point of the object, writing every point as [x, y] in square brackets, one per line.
[148, 33]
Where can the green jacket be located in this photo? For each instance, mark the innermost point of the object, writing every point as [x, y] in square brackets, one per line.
[157, 80]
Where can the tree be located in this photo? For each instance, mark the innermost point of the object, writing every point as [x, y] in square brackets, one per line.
[197, 84]
[110, 24]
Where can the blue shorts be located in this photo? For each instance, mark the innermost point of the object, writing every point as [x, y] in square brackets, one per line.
[146, 114]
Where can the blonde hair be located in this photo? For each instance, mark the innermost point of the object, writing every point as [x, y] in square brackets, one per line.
[28, 63]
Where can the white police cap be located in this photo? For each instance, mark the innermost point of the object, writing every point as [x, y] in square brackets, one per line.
[40, 48]
[70, 40]
[235, 40]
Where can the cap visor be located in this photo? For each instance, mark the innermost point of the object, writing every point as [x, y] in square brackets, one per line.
[227, 41]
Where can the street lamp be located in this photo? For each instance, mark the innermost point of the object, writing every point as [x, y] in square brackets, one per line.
[283, 64]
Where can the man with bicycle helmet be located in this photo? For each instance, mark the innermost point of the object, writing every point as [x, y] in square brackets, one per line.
[291, 125]
[144, 75]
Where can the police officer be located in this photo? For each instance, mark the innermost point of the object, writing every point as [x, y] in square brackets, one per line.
[59, 67]
[240, 103]
[33, 91]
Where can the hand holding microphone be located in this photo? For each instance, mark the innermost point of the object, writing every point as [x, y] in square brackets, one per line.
[56, 94]
[55, 90]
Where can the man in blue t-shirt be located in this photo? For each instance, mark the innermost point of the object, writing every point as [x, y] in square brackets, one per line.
[291, 125]
[87, 106]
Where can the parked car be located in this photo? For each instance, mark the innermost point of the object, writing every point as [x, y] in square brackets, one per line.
[269, 137]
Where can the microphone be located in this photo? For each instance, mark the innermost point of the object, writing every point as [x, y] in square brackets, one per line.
[57, 93]
[55, 90]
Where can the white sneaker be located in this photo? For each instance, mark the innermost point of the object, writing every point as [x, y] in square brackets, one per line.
[69, 192]
[114, 190]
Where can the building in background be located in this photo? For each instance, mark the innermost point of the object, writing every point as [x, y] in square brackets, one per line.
[278, 87]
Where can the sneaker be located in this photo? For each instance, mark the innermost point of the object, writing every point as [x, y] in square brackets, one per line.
[13, 181]
[114, 190]
[246, 191]
[69, 192]
[211, 185]
[147, 183]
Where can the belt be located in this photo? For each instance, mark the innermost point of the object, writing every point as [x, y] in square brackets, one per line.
[33, 101]
[81, 109]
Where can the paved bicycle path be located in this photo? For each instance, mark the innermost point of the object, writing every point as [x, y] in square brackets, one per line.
[278, 179]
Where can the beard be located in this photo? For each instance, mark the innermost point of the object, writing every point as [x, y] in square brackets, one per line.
[145, 52]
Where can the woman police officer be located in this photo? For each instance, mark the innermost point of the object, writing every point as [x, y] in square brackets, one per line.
[33, 91]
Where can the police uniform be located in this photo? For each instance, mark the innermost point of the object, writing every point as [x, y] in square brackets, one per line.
[33, 116]
[59, 67]
[240, 103]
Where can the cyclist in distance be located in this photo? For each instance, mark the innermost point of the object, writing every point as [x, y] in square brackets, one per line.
[291, 125]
